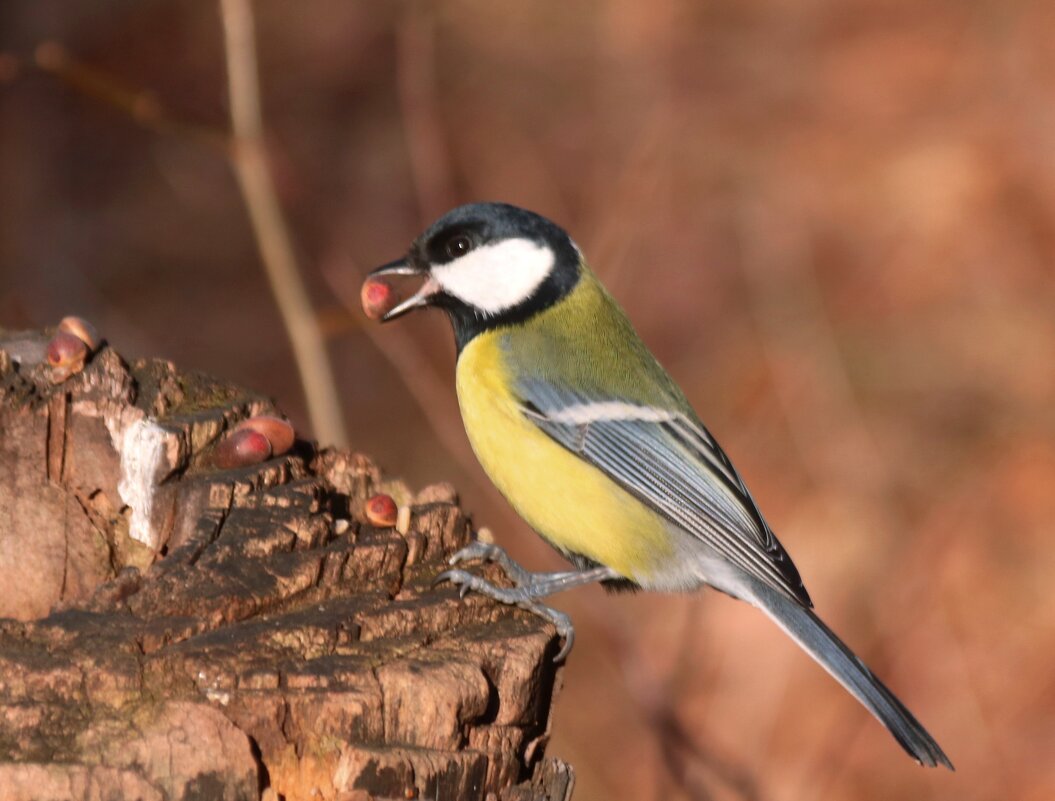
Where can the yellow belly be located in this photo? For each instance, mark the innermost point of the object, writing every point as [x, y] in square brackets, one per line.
[565, 499]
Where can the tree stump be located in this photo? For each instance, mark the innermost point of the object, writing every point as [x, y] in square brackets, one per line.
[173, 630]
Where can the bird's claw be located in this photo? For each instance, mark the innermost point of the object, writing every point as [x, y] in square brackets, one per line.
[566, 632]
[467, 582]
[489, 552]
[453, 576]
[477, 549]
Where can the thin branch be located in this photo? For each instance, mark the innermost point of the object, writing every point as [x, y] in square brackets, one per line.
[142, 107]
[249, 157]
[430, 161]
[421, 380]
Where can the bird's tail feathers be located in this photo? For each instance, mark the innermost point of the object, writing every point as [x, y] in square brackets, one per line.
[820, 642]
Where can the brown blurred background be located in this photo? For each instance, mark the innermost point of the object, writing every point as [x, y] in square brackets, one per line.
[834, 222]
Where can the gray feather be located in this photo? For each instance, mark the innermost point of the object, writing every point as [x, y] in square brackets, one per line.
[820, 642]
[671, 463]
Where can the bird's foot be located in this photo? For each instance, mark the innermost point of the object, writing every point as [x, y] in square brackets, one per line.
[516, 596]
[489, 552]
[528, 586]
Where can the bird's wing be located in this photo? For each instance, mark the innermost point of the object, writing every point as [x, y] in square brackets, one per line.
[669, 461]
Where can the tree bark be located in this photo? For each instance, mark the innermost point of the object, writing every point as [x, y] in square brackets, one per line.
[174, 630]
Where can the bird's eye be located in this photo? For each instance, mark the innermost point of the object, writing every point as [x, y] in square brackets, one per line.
[459, 245]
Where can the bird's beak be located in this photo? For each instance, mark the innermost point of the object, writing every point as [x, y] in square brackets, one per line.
[424, 295]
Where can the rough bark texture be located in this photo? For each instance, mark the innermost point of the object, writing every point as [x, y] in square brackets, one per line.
[175, 631]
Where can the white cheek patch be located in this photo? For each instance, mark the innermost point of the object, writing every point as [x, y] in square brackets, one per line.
[493, 278]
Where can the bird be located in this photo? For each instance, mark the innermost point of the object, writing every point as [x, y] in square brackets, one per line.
[595, 446]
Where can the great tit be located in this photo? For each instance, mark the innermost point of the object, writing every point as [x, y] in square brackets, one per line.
[596, 447]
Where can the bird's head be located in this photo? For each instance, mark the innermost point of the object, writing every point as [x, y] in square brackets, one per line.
[487, 265]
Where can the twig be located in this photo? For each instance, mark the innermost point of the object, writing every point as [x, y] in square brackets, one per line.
[416, 82]
[249, 157]
[431, 393]
[140, 106]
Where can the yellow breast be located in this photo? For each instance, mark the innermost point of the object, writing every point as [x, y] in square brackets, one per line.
[564, 498]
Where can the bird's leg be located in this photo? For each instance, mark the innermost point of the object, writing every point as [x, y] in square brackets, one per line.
[489, 552]
[530, 586]
[534, 585]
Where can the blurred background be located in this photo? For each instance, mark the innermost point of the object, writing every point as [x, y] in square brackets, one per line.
[834, 222]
